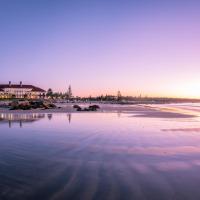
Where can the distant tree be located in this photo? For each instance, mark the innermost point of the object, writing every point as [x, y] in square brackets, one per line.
[119, 96]
[69, 92]
[101, 97]
[56, 95]
[62, 95]
[49, 93]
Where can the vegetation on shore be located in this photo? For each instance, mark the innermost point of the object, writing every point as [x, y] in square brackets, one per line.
[113, 99]
[116, 99]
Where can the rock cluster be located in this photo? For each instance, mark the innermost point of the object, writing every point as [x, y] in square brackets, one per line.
[28, 105]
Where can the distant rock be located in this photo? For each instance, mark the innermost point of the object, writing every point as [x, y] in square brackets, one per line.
[90, 108]
[76, 107]
[94, 107]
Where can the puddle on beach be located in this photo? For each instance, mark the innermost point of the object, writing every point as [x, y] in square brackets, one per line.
[98, 156]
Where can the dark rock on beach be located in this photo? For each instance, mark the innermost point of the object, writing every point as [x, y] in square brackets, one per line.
[90, 108]
[28, 105]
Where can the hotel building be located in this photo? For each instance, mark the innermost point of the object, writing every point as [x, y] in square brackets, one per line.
[21, 91]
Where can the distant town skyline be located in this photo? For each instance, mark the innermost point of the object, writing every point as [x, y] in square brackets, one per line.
[99, 47]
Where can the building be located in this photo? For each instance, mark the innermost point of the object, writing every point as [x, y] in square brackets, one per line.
[21, 91]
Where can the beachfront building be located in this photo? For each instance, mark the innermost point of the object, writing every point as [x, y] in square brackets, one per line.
[1, 93]
[21, 91]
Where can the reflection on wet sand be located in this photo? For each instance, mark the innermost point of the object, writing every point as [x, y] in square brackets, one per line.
[19, 118]
[11, 118]
[119, 113]
[49, 116]
[183, 129]
[24, 117]
[99, 156]
[69, 116]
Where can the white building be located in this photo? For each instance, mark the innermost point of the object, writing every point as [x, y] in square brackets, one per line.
[21, 91]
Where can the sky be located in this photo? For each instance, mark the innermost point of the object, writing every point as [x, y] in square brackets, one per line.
[148, 47]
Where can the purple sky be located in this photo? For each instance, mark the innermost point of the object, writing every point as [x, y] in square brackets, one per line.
[99, 47]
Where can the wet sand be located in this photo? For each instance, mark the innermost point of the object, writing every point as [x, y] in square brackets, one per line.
[98, 156]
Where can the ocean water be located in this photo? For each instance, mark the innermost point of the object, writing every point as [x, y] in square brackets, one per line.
[98, 156]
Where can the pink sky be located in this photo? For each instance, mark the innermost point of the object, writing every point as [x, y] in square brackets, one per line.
[98, 48]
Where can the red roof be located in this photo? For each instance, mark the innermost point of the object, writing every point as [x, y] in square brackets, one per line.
[34, 89]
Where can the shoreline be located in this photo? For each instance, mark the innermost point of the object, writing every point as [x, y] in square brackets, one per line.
[134, 110]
